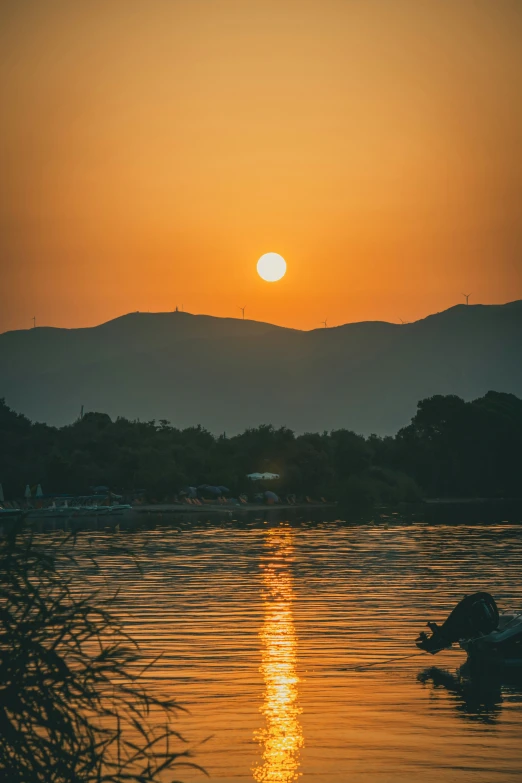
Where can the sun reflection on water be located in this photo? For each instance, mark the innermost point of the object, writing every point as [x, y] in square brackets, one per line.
[282, 737]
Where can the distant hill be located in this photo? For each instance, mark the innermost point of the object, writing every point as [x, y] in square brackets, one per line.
[228, 374]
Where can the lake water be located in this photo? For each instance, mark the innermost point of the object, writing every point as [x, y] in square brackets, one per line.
[262, 625]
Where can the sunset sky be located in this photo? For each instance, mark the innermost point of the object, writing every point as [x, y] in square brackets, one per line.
[152, 151]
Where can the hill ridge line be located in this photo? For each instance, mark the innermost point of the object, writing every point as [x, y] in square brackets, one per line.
[232, 319]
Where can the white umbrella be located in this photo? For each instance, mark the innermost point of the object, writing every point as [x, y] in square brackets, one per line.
[27, 493]
[1, 494]
[39, 493]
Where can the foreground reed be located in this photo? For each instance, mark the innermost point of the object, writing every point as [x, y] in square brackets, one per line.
[73, 708]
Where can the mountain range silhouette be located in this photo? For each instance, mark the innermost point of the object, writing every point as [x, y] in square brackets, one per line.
[228, 374]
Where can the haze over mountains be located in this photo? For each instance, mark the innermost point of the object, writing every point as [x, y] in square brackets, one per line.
[228, 374]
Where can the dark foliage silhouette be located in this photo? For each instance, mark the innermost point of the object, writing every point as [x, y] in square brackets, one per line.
[452, 448]
[72, 706]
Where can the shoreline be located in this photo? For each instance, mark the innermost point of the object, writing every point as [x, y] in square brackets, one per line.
[431, 511]
[175, 508]
[158, 510]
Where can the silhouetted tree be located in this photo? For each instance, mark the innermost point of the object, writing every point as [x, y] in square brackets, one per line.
[450, 448]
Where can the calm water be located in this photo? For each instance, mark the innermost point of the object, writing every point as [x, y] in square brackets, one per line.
[261, 626]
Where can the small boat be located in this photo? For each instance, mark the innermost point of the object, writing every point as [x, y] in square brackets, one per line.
[9, 512]
[488, 637]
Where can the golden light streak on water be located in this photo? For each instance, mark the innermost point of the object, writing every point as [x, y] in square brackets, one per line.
[355, 595]
[282, 737]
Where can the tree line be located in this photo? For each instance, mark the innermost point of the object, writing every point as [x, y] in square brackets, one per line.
[451, 448]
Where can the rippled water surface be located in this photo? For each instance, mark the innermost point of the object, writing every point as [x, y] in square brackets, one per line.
[262, 624]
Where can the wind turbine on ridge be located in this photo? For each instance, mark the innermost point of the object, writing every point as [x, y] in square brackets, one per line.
[243, 311]
[467, 296]
[325, 322]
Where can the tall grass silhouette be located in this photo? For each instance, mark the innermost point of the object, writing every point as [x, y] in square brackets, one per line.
[73, 707]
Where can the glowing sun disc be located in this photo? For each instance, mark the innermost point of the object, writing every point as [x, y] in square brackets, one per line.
[271, 267]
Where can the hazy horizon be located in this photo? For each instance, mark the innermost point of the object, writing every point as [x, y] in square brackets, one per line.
[226, 374]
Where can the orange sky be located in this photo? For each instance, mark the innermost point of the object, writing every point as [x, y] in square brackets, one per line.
[152, 151]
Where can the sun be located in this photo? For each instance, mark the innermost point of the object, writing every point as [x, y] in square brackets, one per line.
[271, 267]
